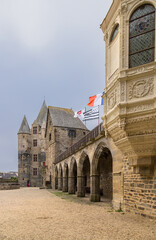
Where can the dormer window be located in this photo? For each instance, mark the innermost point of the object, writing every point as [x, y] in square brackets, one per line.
[115, 32]
[34, 130]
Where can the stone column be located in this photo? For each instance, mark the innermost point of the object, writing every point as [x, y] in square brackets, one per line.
[65, 184]
[59, 183]
[95, 188]
[56, 183]
[71, 185]
[80, 186]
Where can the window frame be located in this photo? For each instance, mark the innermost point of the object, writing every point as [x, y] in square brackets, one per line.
[143, 50]
[35, 172]
[35, 157]
[112, 37]
[34, 130]
[34, 142]
[72, 133]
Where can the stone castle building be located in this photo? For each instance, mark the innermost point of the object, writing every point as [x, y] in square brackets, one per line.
[54, 130]
[117, 159]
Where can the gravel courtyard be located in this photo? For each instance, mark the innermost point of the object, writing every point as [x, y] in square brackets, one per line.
[31, 213]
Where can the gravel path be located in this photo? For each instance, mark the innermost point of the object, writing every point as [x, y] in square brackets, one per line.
[31, 213]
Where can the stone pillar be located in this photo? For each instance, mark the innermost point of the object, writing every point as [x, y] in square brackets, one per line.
[56, 183]
[80, 186]
[95, 188]
[65, 184]
[71, 185]
[59, 183]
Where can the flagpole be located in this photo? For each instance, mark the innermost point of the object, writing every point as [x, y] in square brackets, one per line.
[99, 115]
[85, 120]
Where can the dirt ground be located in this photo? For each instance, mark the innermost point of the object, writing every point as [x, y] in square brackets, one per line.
[32, 213]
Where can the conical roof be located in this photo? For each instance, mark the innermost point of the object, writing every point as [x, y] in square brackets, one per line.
[42, 116]
[24, 128]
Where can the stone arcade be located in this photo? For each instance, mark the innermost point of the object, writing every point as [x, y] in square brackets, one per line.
[122, 164]
[117, 159]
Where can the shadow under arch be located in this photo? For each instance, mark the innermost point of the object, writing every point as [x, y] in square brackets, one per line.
[56, 177]
[83, 178]
[101, 177]
[60, 178]
[65, 177]
[72, 179]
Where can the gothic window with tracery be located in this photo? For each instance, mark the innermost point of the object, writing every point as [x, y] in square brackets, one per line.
[142, 35]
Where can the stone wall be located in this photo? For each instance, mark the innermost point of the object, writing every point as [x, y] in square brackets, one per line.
[9, 186]
[139, 192]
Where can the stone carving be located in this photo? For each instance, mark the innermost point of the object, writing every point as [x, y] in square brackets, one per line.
[112, 99]
[141, 88]
[122, 91]
[141, 119]
[122, 123]
[139, 108]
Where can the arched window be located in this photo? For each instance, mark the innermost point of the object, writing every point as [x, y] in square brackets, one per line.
[142, 35]
[115, 32]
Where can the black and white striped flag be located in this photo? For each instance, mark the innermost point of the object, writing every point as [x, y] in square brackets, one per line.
[91, 114]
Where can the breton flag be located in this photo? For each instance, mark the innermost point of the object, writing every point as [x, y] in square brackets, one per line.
[91, 114]
[79, 113]
[95, 100]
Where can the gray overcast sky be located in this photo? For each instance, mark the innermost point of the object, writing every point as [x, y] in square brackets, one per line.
[51, 48]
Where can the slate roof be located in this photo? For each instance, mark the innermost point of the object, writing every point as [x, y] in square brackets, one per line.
[64, 117]
[42, 116]
[24, 128]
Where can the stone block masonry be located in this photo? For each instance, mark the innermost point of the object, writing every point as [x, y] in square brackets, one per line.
[140, 193]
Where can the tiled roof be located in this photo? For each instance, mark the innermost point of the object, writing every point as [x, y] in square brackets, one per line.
[24, 128]
[42, 116]
[64, 117]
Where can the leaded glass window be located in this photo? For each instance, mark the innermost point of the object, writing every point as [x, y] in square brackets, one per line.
[115, 32]
[142, 36]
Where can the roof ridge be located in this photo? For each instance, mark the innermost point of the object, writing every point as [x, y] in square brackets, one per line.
[59, 108]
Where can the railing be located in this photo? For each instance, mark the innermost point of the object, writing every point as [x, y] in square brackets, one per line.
[81, 143]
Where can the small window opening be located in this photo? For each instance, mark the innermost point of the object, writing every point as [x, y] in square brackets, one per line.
[115, 32]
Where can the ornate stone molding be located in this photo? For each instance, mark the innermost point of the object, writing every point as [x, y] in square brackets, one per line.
[141, 88]
[122, 91]
[140, 108]
[112, 99]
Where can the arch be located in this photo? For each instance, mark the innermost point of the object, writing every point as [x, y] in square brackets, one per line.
[65, 177]
[83, 178]
[56, 177]
[60, 178]
[101, 177]
[72, 163]
[81, 162]
[142, 35]
[65, 169]
[72, 183]
[114, 32]
[99, 149]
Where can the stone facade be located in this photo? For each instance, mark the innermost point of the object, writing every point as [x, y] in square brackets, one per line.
[116, 160]
[130, 103]
[59, 137]
[121, 166]
[39, 146]
[31, 150]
